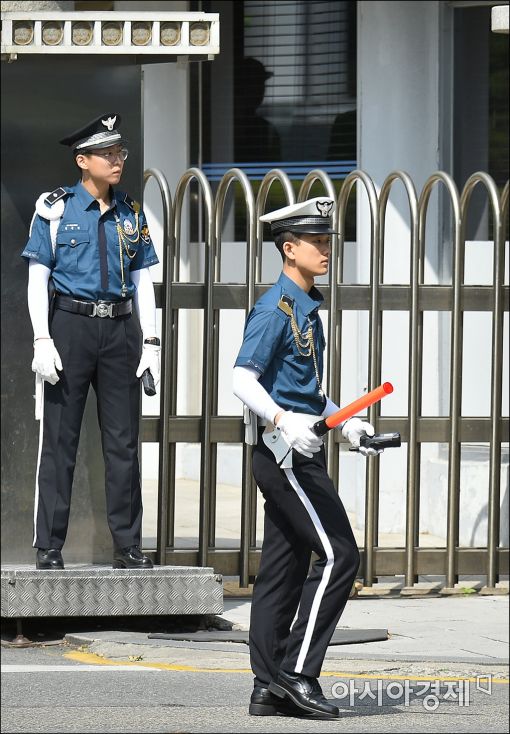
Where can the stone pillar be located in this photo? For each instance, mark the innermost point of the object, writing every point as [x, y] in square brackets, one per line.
[34, 118]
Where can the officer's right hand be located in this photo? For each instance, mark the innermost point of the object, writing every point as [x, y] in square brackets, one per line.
[297, 432]
[46, 360]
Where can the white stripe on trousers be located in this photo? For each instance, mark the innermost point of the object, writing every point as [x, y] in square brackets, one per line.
[39, 452]
[326, 573]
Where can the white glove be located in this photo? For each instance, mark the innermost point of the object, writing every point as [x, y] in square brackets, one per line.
[46, 360]
[297, 432]
[150, 361]
[353, 429]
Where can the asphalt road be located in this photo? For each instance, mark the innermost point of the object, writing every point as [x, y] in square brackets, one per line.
[45, 690]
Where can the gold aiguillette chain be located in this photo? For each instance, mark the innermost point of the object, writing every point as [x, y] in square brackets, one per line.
[124, 242]
[304, 342]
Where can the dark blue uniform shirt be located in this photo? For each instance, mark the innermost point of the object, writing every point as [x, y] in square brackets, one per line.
[86, 263]
[270, 348]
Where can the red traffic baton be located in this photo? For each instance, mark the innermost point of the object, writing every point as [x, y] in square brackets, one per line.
[326, 424]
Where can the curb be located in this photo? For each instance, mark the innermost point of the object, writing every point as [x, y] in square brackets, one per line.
[118, 649]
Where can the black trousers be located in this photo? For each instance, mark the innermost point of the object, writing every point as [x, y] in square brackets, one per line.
[103, 353]
[303, 513]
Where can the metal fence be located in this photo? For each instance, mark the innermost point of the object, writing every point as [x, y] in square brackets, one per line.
[416, 298]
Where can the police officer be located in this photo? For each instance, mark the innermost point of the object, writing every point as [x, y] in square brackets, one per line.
[90, 243]
[278, 375]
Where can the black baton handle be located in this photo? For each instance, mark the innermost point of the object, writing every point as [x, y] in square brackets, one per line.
[321, 427]
[379, 441]
[148, 383]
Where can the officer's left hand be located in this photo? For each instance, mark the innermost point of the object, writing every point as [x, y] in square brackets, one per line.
[150, 361]
[353, 429]
[46, 360]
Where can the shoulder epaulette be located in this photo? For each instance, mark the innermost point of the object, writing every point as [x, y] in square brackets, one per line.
[55, 196]
[286, 304]
[132, 204]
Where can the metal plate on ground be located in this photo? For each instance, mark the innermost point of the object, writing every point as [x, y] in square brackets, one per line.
[340, 637]
[86, 590]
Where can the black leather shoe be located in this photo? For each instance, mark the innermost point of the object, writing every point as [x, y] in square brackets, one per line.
[304, 692]
[264, 703]
[49, 558]
[130, 557]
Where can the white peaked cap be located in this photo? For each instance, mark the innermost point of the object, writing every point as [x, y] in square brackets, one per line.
[308, 217]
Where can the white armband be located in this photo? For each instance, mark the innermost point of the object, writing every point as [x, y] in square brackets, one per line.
[37, 294]
[331, 408]
[145, 301]
[247, 388]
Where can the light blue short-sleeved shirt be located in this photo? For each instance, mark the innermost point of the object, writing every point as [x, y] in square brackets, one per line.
[269, 347]
[76, 266]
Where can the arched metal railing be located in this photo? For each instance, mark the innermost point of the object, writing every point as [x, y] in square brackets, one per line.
[212, 295]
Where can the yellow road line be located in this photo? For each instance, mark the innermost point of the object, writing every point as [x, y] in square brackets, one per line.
[92, 658]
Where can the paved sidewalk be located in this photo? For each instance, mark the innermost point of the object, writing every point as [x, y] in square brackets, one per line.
[228, 518]
[447, 633]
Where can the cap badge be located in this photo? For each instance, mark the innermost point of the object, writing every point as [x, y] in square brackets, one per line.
[324, 208]
[109, 122]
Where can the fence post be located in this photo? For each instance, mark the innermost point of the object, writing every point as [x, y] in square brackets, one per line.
[497, 360]
[182, 185]
[235, 174]
[166, 498]
[455, 363]
[414, 379]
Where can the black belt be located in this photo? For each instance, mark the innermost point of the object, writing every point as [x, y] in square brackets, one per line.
[112, 309]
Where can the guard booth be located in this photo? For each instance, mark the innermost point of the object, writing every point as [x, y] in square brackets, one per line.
[58, 70]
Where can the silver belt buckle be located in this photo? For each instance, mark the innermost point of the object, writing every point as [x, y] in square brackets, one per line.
[103, 310]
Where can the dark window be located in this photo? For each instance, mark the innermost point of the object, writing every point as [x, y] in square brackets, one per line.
[294, 71]
[480, 134]
[295, 79]
[294, 94]
[498, 108]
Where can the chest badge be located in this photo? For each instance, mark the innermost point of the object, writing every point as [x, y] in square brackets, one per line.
[128, 227]
[144, 234]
